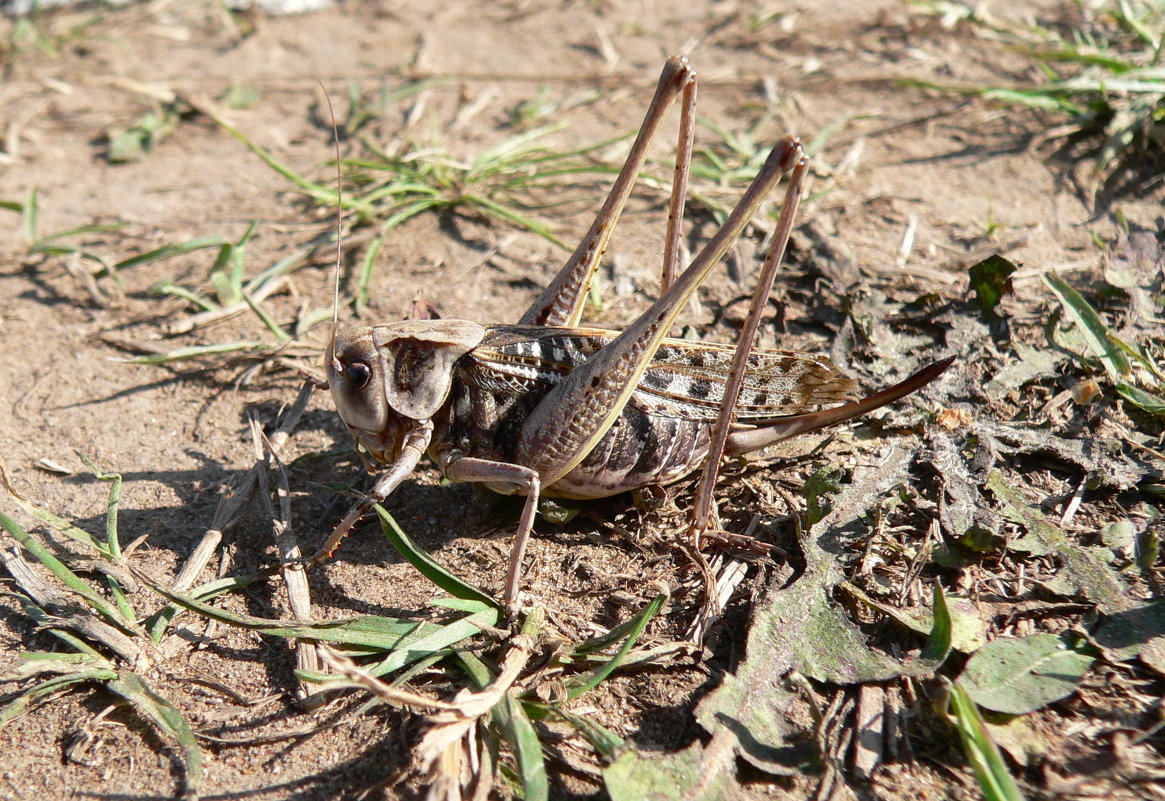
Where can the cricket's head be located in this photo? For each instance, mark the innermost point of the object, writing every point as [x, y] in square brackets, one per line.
[387, 379]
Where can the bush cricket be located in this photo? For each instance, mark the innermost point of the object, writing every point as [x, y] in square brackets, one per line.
[546, 407]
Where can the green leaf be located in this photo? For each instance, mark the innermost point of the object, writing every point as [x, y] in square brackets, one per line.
[555, 512]
[967, 630]
[671, 777]
[1017, 676]
[745, 716]
[825, 481]
[991, 280]
[1031, 364]
[137, 141]
[939, 645]
[1120, 536]
[1130, 633]
[240, 96]
[1147, 401]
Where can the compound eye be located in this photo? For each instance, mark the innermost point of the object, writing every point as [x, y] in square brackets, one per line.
[358, 374]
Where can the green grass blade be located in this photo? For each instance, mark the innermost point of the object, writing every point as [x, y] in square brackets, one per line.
[112, 542]
[1094, 330]
[479, 673]
[527, 749]
[114, 479]
[382, 633]
[407, 641]
[587, 683]
[508, 154]
[986, 761]
[58, 662]
[605, 742]
[87, 255]
[159, 622]
[167, 288]
[287, 264]
[1140, 357]
[400, 189]
[366, 265]
[441, 638]
[48, 688]
[428, 566]
[467, 605]
[198, 352]
[266, 318]
[81, 230]
[49, 622]
[70, 579]
[166, 719]
[31, 216]
[238, 260]
[322, 194]
[603, 641]
[170, 251]
[515, 218]
[61, 525]
[412, 210]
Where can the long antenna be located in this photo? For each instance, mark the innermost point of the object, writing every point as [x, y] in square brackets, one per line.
[339, 230]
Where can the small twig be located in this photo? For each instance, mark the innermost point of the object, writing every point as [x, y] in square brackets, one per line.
[394, 696]
[1074, 502]
[907, 246]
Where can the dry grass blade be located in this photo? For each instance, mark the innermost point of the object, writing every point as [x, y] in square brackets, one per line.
[231, 506]
[294, 577]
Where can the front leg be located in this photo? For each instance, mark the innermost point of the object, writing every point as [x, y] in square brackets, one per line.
[469, 469]
[413, 447]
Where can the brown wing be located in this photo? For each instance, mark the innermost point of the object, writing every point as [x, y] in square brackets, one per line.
[685, 379]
